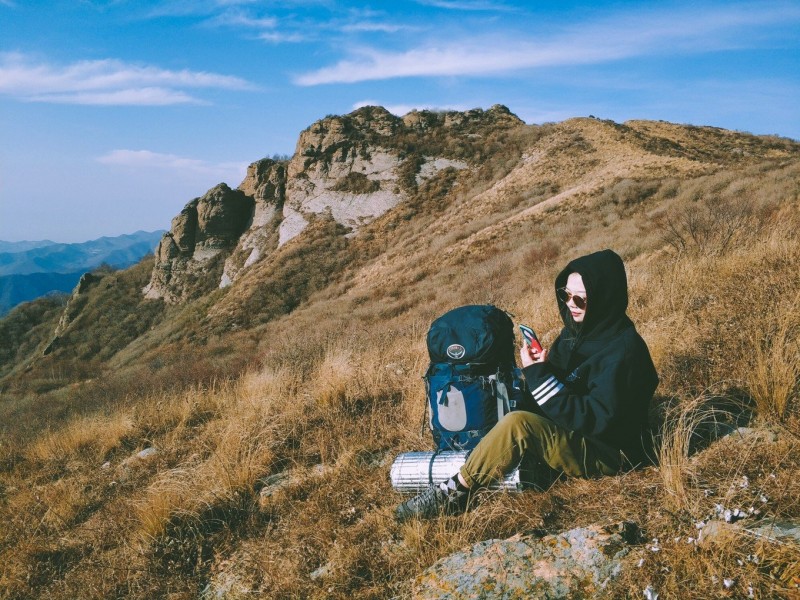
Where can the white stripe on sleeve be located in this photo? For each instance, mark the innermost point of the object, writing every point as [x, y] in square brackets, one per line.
[554, 391]
[546, 384]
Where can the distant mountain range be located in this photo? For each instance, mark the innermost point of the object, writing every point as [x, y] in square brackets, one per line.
[23, 246]
[31, 269]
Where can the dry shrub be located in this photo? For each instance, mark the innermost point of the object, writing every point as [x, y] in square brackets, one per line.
[541, 253]
[689, 426]
[775, 375]
[334, 376]
[710, 227]
[236, 451]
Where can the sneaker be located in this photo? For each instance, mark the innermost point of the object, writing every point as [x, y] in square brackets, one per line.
[431, 503]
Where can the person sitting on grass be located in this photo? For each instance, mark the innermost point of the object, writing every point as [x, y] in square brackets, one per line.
[586, 411]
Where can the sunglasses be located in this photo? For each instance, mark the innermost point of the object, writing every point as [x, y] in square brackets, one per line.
[565, 296]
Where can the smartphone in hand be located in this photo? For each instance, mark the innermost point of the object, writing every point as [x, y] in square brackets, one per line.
[530, 337]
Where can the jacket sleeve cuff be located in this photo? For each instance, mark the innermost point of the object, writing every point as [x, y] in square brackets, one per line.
[542, 384]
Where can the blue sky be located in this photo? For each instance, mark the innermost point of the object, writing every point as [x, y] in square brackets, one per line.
[115, 113]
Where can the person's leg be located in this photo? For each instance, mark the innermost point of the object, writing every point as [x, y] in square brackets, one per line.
[522, 439]
[532, 441]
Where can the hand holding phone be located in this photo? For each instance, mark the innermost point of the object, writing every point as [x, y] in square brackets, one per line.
[530, 338]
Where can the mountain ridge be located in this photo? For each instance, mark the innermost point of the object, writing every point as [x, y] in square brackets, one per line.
[55, 257]
[29, 270]
[236, 438]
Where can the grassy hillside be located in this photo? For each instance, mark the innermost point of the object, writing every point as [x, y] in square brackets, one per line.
[277, 405]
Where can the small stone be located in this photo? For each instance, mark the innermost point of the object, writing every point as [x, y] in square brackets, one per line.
[760, 435]
[650, 593]
[147, 453]
[320, 572]
[272, 484]
[106, 465]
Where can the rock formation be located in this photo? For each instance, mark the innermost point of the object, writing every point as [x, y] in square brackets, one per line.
[575, 564]
[265, 183]
[72, 309]
[205, 228]
[354, 167]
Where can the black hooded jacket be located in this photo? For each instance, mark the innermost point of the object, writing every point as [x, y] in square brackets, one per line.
[598, 379]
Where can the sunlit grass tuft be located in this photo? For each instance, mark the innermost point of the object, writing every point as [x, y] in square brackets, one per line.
[775, 374]
[97, 435]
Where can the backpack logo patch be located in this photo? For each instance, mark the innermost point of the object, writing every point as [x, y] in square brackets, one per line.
[456, 351]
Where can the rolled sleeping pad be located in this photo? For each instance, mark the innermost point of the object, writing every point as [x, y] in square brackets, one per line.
[413, 472]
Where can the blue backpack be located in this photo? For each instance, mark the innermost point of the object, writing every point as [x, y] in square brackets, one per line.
[470, 379]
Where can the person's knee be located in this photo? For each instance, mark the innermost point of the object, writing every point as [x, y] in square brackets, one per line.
[523, 423]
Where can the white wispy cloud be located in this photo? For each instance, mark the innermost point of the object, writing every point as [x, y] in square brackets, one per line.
[476, 5]
[613, 38]
[106, 82]
[281, 37]
[146, 159]
[182, 8]
[373, 26]
[130, 97]
[289, 22]
[237, 18]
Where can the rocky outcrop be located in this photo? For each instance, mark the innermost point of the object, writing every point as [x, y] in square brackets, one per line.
[354, 168]
[265, 183]
[327, 156]
[205, 228]
[73, 308]
[575, 564]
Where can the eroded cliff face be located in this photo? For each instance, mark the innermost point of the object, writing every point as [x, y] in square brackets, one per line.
[265, 183]
[344, 165]
[206, 228]
[354, 167]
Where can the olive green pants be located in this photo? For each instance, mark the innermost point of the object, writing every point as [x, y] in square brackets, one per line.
[540, 448]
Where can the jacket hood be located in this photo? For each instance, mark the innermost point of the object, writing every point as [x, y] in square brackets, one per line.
[603, 275]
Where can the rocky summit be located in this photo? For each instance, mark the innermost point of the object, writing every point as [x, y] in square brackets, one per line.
[205, 227]
[353, 168]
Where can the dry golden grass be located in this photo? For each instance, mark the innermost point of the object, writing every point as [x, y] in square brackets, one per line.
[688, 425]
[95, 435]
[775, 374]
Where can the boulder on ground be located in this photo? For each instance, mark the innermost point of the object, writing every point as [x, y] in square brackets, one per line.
[579, 563]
